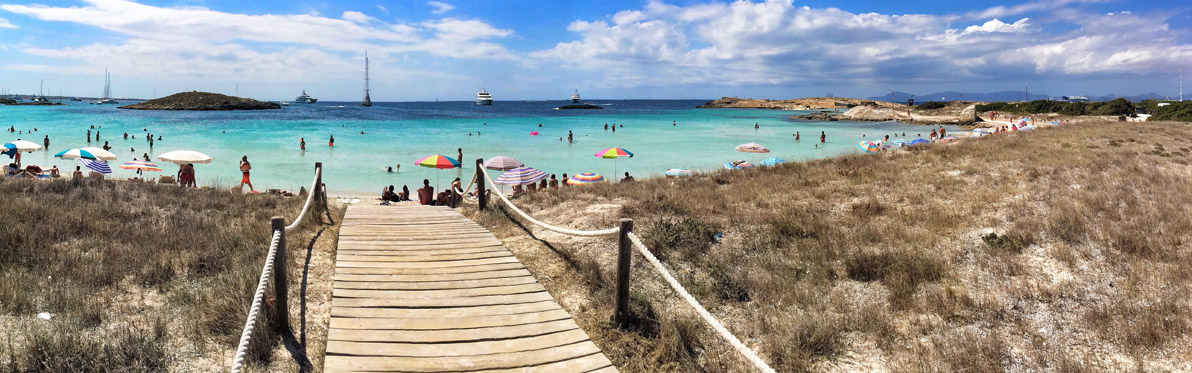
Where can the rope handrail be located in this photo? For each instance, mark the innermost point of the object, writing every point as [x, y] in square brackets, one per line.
[670, 280]
[574, 232]
[310, 197]
[699, 309]
[250, 324]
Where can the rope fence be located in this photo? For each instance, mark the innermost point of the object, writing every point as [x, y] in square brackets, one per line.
[275, 268]
[627, 239]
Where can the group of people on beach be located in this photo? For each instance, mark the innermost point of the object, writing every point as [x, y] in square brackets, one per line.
[426, 194]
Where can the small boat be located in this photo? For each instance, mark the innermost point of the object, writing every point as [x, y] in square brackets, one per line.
[305, 98]
[575, 97]
[367, 100]
[107, 90]
[284, 103]
[483, 98]
[76, 99]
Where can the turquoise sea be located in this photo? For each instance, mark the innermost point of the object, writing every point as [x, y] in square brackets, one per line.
[661, 133]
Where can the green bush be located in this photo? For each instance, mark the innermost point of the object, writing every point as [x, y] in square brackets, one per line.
[932, 105]
[1177, 111]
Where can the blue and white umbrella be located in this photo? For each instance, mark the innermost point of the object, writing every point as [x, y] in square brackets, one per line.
[918, 142]
[772, 161]
[899, 143]
[98, 166]
[76, 154]
[11, 148]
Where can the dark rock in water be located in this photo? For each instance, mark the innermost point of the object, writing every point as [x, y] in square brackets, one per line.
[5, 101]
[579, 106]
[202, 101]
[820, 116]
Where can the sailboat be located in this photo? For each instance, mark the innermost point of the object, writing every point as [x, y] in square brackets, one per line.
[107, 90]
[367, 100]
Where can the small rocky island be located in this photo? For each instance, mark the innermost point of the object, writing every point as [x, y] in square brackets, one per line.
[195, 100]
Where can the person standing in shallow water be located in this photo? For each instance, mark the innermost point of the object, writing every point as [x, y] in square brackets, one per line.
[332, 142]
[460, 153]
[47, 142]
[823, 136]
[301, 143]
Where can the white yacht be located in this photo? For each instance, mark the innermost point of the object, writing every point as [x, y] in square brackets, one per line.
[367, 102]
[284, 103]
[575, 97]
[483, 98]
[305, 98]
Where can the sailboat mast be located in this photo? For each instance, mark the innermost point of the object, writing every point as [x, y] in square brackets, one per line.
[367, 100]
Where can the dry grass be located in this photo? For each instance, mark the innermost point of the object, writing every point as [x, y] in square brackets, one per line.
[1060, 249]
[137, 277]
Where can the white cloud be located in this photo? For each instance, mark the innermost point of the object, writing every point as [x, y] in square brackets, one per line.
[440, 7]
[357, 17]
[5, 24]
[383, 9]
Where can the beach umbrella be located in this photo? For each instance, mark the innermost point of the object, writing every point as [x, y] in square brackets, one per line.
[140, 166]
[869, 147]
[899, 142]
[100, 154]
[752, 148]
[23, 146]
[98, 166]
[678, 172]
[502, 163]
[181, 157]
[586, 178]
[918, 142]
[437, 161]
[614, 153]
[772, 161]
[521, 176]
[75, 154]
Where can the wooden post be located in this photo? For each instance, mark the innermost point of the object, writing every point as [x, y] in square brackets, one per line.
[318, 182]
[281, 284]
[621, 315]
[481, 196]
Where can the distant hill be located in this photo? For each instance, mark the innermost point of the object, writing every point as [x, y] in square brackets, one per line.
[1009, 96]
[195, 100]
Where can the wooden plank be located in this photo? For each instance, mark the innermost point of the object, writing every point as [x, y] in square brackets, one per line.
[444, 314]
[443, 302]
[452, 335]
[421, 258]
[428, 241]
[335, 362]
[407, 250]
[502, 346]
[428, 265]
[438, 294]
[465, 250]
[415, 271]
[434, 277]
[446, 324]
[594, 363]
[435, 285]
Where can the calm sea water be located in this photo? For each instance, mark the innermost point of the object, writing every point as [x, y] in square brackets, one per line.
[661, 133]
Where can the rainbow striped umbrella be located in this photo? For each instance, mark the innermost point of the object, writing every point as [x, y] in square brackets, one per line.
[869, 147]
[614, 153]
[520, 176]
[140, 166]
[678, 172]
[438, 161]
[586, 178]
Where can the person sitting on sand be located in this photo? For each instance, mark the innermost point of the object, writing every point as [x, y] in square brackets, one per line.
[32, 171]
[564, 181]
[532, 187]
[457, 189]
[554, 183]
[78, 174]
[627, 179]
[542, 185]
[54, 171]
[93, 175]
[442, 199]
[387, 193]
[426, 193]
[405, 193]
[517, 189]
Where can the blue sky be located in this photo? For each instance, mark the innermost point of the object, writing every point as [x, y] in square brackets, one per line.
[427, 50]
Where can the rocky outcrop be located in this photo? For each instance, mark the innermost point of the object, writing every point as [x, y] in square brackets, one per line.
[811, 103]
[202, 101]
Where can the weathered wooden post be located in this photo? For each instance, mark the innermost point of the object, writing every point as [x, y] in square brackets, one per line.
[281, 283]
[481, 196]
[621, 316]
[319, 182]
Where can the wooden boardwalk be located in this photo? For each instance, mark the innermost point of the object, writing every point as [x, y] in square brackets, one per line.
[424, 289]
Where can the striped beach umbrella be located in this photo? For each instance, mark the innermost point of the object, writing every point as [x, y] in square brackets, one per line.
[98, 166]
[438, 161]
[869, 147]
[75, 154]
[100, 154]
[614, 153]
[586, 178]
[520, 176]
[502, 163]
[140, 166]
[678, 172]
[752, 148]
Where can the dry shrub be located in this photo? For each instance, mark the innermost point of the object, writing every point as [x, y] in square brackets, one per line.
[689, 237]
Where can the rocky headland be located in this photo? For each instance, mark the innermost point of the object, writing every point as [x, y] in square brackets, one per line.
[810, 103]
[195, 100]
